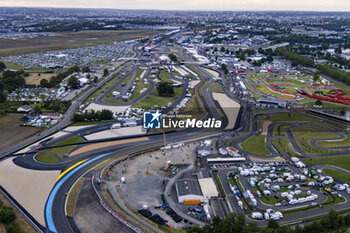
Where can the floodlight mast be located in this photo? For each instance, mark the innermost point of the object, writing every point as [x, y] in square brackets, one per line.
[165, 155]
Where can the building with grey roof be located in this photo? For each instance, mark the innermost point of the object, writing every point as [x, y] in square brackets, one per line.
[188, 189]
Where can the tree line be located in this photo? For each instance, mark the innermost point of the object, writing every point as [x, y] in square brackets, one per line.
[335, 73]
[236, 223]
[93, 115]
[295, 58]
[9, 81]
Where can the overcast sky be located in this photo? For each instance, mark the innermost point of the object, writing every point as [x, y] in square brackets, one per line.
[305, 5]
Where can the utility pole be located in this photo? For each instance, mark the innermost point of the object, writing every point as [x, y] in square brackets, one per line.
[166, 159]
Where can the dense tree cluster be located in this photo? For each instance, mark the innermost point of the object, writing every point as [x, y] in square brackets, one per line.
[93, 116]
[165, 89]
[303, 39]
[73, 82]
[337, 59]
[9, 81]
[85, 69]
[56, 105]
[55, 80]
[173, 57]
[295, 58]
[2, 66]
[105, 72]
[7, 217]
[224, 68]
[236, 223]
[335, 73]
[241, 54]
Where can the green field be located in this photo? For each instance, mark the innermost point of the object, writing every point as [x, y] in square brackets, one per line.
[192, 108]
[60, 151]
[102, 89]
[326, 104]
[164, 76]
[240, 136]
[338, 161]
[338, 175]
[140, 85]
[46, 158]
[151, 100]
[67, 40]
[283, 145]
[291, 116]
[222, 191]
[215, 88]
[345, 142]
[303, 136]
[256, 145]
[13, 66]
[279, 130]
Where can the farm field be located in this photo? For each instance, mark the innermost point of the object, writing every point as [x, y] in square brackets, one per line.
[67, 40]
[11, 132]
[34, 78]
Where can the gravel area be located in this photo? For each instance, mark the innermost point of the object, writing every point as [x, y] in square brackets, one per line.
[230, 107]
[30, 188]
[111, 133]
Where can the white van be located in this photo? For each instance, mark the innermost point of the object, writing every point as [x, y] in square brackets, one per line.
[116, 126]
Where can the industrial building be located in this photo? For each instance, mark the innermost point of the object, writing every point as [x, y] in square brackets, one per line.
[208, 188]
[271, 103]
[233, 152]
[193, 191]
[189, 191]
[203, 150]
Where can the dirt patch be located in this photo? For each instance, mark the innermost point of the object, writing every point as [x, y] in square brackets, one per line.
[274, 159]
[106, 144]
[265, 125]
[11, 132]
[34, 78]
